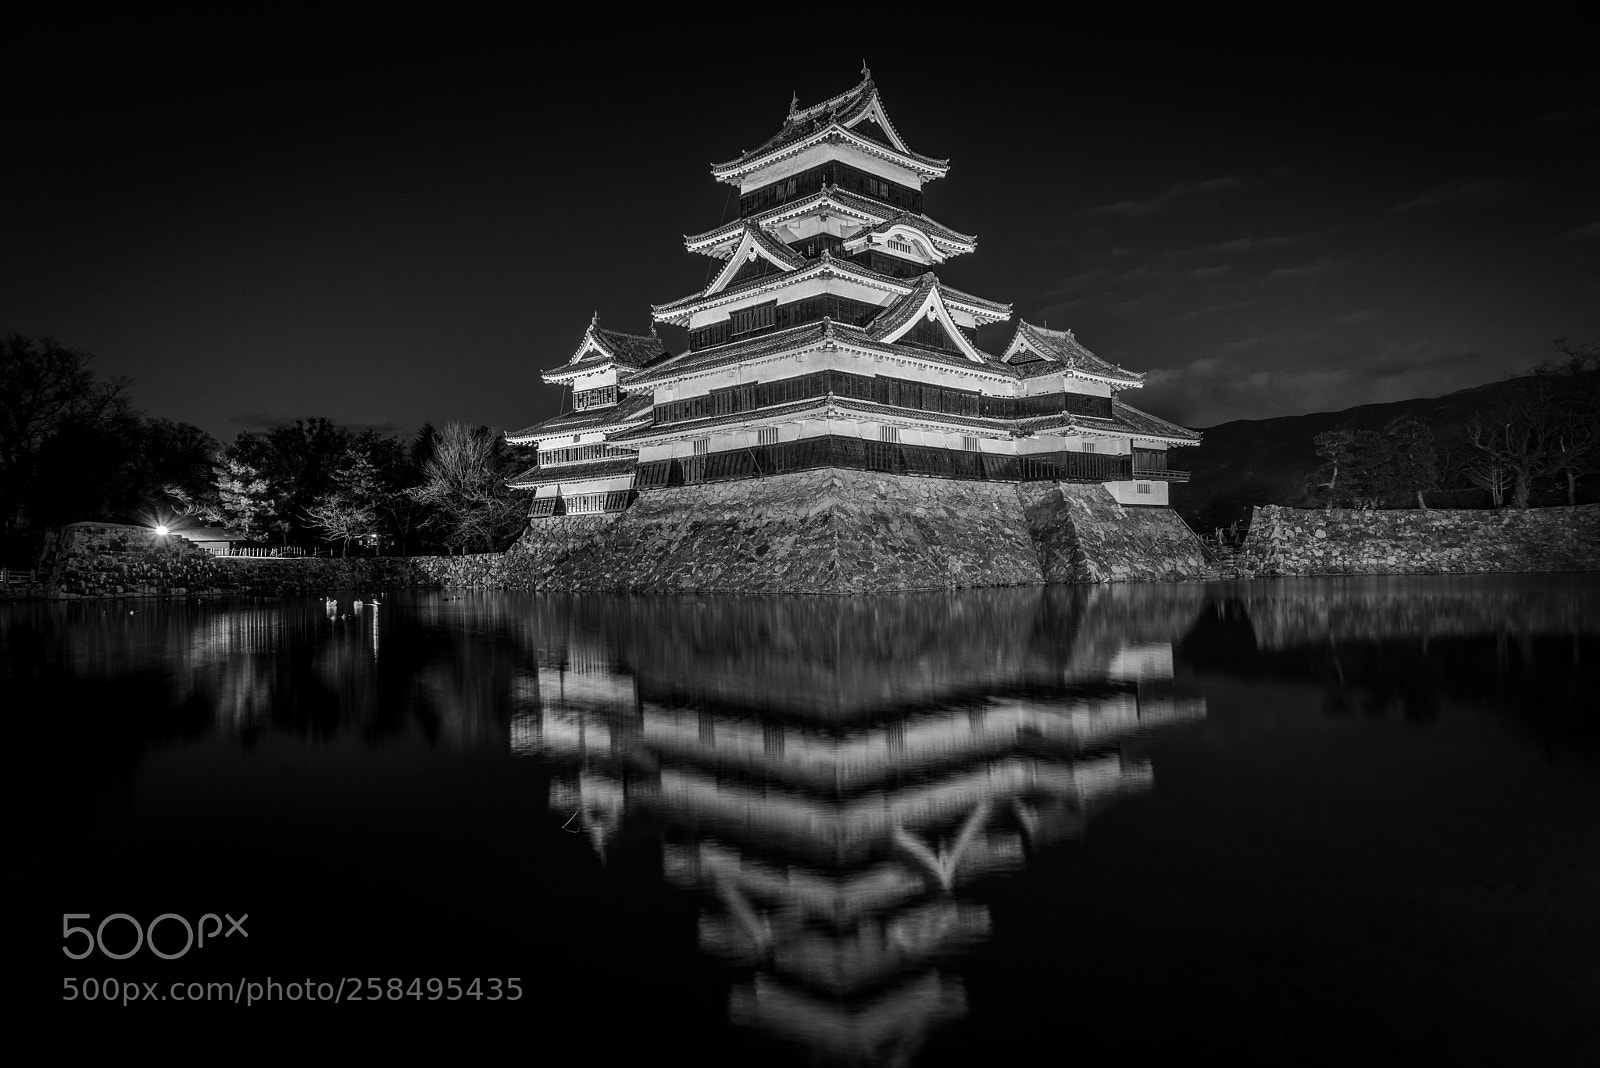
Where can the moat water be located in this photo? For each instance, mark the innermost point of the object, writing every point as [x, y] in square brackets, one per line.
[1328, 821]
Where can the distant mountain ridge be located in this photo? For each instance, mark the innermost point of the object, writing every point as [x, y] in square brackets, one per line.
[1247, 462]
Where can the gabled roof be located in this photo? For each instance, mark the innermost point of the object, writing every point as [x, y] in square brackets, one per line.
[679, 311]
[601, 348]
[834, 119]
[941, 249]
[626, 412]
[843, 201]
[545, 476]
[1125, 420]
[1063, 349]
[925, 301]
[755, 242]
[1147, 425]
[805, 337]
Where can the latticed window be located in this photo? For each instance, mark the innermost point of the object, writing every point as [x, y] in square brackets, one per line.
[747, 319]
[902, 245]
[767, 435]
[1088, 446]
[702, 446]
[970, 444]
[577, 454]
[888, 433]
[1142, 487]
[590, 503]
[594, 398]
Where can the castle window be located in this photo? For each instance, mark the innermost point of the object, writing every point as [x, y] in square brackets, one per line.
[969, 443]
[888, 433]
[1088, 446]
[702, 446]
[767, 435]
[758, 318]
[593, 398]
[1142, 487]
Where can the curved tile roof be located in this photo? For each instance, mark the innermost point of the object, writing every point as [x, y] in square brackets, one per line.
[1062, 346]
[544, 476]
[626, 411]
[835, 113]
[841, 198]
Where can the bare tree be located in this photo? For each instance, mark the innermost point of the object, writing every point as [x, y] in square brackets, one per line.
[1518, 433]
[464, 483]
[1493, 476]
[1574, 387]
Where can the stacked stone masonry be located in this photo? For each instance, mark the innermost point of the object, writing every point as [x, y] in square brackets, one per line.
[826, 531]
[1296, 541]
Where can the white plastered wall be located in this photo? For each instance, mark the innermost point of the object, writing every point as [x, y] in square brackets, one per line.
[1128, 492]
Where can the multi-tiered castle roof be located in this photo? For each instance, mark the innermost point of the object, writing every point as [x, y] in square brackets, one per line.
[827, 338]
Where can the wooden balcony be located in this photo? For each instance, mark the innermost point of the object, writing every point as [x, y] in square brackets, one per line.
[888, 457]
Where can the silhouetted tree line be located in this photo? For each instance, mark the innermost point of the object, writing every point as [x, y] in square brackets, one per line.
[73, 448]
[1541, 435]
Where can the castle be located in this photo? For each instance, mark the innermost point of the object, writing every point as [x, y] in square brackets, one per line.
[826, 340]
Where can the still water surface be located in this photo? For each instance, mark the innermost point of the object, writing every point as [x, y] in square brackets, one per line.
[1303, 822]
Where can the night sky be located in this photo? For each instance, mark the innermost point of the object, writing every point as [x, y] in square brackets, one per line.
[385, 228]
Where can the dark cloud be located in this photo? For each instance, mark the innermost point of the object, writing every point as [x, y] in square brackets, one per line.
[1242, 245]
[1216, 309]
[1358, 317]
[1318, 266]
[1583, 233]
[1565, 119]
[1460, 195]
[261, 420]
[1167, 198]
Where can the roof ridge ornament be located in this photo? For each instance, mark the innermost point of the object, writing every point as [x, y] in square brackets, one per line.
[866, 72]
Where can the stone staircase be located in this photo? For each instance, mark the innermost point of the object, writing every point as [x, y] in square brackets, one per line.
[1222, 563]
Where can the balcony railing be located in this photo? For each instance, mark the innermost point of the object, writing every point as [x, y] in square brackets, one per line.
[889, 457]
[880, 389]
[1160, 474]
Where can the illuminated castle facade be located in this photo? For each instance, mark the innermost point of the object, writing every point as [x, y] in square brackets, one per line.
[827, 339]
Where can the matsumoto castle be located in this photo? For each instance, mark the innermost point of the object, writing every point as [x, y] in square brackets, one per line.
[827, 339]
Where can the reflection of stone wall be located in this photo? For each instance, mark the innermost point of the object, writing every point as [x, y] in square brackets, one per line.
[1284, 619]
[1296, 541]
[827, 531]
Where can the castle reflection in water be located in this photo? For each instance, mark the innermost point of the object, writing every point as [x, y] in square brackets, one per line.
[833, 778]
[841, 789]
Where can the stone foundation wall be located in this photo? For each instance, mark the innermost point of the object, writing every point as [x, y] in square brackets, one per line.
[824, 531]
[1084, 535]
[1299, 541]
